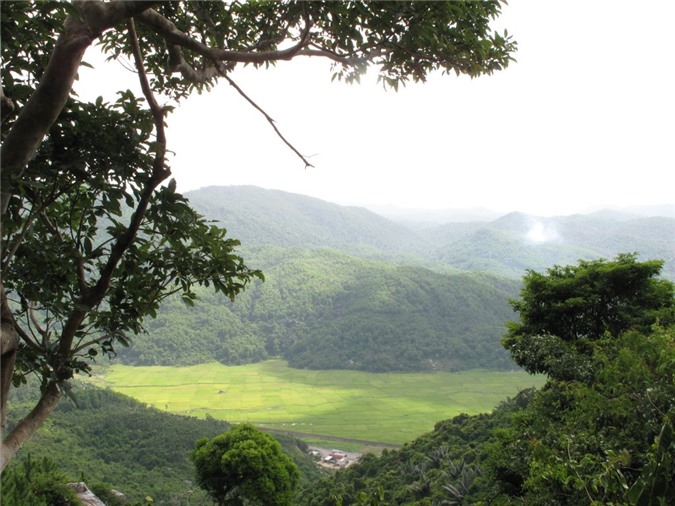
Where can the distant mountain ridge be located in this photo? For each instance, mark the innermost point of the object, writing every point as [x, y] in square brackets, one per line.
[260, 217]
[505, 246]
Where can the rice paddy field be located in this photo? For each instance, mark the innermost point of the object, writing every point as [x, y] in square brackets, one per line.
[390, 408]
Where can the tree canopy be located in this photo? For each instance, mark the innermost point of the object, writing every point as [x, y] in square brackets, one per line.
[568, 309]
[245, 466]
[93, 237]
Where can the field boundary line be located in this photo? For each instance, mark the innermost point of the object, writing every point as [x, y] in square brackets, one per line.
[330, 438]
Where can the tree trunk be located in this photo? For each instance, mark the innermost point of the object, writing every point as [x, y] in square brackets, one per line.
[19, 146]
[9, 342]
[27, 427]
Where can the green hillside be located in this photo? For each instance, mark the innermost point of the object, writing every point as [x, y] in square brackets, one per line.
[259, 217]
[516, 242]
[140, 451]
[322, 309]
[346, 288]
[506, 246]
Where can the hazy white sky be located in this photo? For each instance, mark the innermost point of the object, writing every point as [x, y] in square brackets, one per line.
[585, 119]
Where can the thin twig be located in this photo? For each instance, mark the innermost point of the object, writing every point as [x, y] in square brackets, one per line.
[269, 119]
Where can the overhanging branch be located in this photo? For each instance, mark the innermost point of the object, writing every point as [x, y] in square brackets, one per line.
[173, 35]
[269, 119]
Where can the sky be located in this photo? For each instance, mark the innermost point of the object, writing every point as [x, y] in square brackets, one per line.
[584, 120]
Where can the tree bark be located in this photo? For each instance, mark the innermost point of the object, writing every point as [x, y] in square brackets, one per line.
[27, 427]
[9, 342]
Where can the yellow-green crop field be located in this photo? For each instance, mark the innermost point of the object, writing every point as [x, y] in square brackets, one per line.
[388, 408]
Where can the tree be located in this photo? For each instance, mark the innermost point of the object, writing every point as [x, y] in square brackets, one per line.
[37, 483]
[87, 179]
[565, 312]
[245, 466]
[600, 430]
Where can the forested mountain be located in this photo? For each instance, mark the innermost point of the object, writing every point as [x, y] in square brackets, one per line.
[324, 309]
[346, 288]
[600, 431]
[259, 217]
[506, 246]
[516, 242]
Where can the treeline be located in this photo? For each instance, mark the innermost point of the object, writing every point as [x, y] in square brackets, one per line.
[115, 442]
[322, 309]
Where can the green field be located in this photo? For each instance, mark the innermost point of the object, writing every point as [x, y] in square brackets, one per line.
[389, 408]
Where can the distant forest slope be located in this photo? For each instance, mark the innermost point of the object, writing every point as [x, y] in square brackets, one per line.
[506, 246]
[259, 217]
[516, 242]
[323, 309]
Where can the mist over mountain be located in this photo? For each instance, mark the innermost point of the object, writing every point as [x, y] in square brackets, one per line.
[506, 246]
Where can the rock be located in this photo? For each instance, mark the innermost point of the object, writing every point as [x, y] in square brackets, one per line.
[86, 496]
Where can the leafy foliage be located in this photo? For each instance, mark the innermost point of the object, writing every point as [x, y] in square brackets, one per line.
[577, 442]
[585, 437]
[84, 217]
[563, 313]
[36, 483]
[245, 466]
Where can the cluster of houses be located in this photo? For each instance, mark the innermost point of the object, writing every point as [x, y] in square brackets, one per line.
[334, 459]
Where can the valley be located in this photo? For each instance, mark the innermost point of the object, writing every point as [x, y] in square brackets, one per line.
[390, 408]
[366, 335]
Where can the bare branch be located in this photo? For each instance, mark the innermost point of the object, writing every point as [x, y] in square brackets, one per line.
[157, 111]
[94, 295]
[269, 119]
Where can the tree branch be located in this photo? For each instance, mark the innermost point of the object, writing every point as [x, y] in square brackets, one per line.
[51, 94]
[6, 106]
[269, 119]
[33, 421]
[24, 230]
[94, 294]
[91, 342]
[173, 35]
[9, 342]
